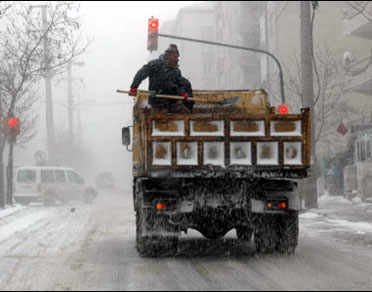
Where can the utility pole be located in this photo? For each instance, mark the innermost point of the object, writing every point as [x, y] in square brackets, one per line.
[268, 75]
[79, 121]
[70, 104]
[9, 175]
[307, 92]
[70, 99]
[48, 89]
[2, 126]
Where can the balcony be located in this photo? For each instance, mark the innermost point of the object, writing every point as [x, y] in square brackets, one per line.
[357, 24]
[359, 76]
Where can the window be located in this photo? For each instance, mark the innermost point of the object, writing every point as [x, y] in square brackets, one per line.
[73, 177]
[26, 176]
[361, 150]
[47, 176]
[60, 176]
[368, 149]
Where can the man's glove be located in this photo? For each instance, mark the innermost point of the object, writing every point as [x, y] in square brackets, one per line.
[133, 92]
[185, 95]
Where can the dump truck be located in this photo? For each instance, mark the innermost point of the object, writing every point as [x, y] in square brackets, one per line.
[232, 163]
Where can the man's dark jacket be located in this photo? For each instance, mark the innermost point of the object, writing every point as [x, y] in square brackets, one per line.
[163, 78]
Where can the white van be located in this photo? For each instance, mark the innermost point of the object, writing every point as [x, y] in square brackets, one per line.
[51, 184]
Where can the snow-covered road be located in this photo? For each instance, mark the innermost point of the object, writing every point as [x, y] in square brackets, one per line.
[92, 247]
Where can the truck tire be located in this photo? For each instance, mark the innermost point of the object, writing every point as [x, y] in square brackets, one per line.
[156, 245]
[288, 233]
[266, 235]
[278, 233]
[244, 233]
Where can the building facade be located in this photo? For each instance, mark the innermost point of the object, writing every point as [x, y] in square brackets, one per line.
[357, 23]
[213, 67]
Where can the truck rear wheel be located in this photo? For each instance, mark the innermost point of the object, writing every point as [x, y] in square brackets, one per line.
[154, 245]
[278, 233]
[289, 230]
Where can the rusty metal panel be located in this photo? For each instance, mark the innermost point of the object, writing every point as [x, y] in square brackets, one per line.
[146, 119]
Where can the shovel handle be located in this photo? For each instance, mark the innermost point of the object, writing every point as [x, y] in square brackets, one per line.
[174, 97]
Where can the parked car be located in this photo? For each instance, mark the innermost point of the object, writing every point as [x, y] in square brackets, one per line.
[51, 184]
[105, 180]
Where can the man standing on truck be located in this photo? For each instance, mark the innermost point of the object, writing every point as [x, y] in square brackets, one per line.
[165, 78]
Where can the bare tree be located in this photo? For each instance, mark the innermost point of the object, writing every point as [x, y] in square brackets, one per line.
[329, 107]
[23, 61]
[359, 8]
[4, 6]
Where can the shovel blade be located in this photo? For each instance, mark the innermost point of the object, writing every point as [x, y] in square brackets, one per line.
[231, 101]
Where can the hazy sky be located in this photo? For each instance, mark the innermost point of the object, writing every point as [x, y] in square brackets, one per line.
[119, 48]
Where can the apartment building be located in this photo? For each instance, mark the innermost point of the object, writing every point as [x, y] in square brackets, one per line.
[213, 67]
[357, 24]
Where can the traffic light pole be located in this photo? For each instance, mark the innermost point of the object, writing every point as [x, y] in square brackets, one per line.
[236, 47]
[9, 175]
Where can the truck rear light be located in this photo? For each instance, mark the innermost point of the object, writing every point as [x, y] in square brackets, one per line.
[161, 206]
[166, 205]
[276, 204]
[282, 205]
[282, 109]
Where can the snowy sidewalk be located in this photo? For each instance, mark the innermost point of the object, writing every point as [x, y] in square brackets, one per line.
[349, 221]
[18, 218]
[10, 210]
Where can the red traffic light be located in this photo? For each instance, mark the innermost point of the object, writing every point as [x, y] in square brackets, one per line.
[13, 128]
[152, 37]
[12, 122]
[153, 23]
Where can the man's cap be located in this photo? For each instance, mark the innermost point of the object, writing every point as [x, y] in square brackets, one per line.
[172, 49]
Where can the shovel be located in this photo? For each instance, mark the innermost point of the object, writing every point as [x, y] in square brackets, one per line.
[226, 101]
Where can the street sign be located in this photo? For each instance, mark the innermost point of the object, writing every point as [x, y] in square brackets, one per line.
[342, 129]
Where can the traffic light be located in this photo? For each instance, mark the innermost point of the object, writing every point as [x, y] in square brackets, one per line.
[13, 128]
[152, 39]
